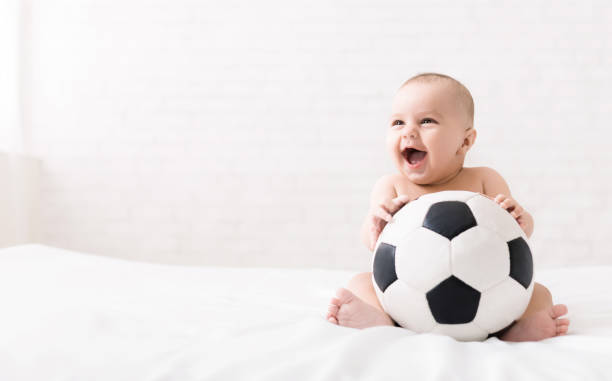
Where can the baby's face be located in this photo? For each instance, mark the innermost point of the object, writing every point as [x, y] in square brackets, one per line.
[427, 132]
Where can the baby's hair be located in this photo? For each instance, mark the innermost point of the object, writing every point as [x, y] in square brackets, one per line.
[462, 91]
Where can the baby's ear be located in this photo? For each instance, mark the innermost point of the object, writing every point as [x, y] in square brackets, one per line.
[468, 140]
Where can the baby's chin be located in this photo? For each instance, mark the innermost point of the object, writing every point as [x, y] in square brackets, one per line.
[430, 177]
[424, 175]
[417, 177]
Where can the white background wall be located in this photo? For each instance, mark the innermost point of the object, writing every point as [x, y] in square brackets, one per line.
[10, 77]
[19, 199]
[251, 133]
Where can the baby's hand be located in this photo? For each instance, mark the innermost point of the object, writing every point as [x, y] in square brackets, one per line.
[520, 215]
[510, 205]
[383, 213]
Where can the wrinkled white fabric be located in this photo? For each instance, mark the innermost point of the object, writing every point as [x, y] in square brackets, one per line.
[73, 316]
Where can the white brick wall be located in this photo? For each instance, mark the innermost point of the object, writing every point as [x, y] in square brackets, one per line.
[251, 133]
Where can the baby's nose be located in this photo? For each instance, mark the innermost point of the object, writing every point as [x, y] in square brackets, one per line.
[409, 131]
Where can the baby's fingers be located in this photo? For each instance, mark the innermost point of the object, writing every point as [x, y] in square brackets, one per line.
[396, 204]
[381, 213]
[401, 199]
[499, 198]
[508, 203]
[517, 212]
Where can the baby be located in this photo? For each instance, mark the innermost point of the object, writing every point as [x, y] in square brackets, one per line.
[429, 133]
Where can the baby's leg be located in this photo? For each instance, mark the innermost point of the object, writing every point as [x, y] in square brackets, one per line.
[540, 320]
[357, 305]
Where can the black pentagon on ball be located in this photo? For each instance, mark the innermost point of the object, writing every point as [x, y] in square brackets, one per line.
[521, 262]
[384, 266]
[453, 301]
[449, 218]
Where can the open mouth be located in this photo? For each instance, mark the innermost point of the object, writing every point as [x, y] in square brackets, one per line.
[414, 156]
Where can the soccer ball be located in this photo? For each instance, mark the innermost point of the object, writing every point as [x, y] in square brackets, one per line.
[454, 263]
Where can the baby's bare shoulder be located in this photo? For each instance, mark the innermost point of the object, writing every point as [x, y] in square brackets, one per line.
[386, 181]
[492, 182]
[481, 172]
[384, 188]
[485, 173]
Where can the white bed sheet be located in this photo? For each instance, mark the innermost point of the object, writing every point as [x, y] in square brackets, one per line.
[73, 316]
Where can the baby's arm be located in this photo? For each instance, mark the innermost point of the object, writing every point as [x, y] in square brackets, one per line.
[383, 191]
[496, 187]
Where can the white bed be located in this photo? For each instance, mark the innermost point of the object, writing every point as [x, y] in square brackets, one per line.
[73, 316]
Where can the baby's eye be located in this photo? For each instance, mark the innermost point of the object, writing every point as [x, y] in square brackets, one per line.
[395, 122]
[428, 120]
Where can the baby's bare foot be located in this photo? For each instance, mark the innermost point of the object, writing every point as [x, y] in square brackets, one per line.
[348, 310]
[539, 325]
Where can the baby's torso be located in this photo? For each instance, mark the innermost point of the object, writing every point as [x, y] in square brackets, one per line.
[469, 179]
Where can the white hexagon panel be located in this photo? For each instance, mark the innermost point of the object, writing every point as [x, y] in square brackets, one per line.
[480, 257]
[408, 307]
[501, 304]
[422, 259]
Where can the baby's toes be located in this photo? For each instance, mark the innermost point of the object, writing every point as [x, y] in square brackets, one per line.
[562, 326]
[332, 310]
[334, 302]
[558, 310]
